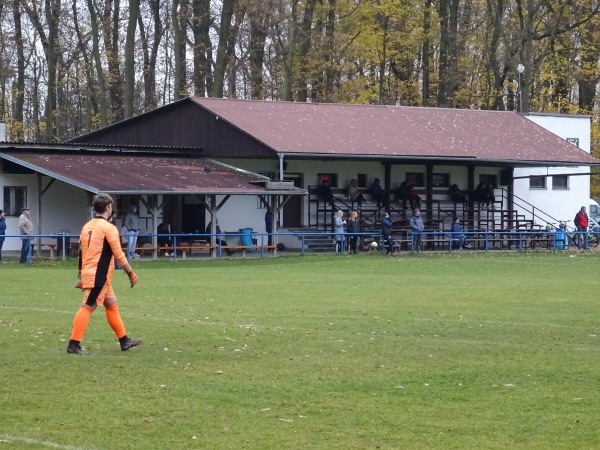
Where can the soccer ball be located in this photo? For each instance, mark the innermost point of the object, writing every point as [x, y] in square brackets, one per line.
[373, 245]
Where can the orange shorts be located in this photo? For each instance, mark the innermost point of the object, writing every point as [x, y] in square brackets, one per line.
[96, 296]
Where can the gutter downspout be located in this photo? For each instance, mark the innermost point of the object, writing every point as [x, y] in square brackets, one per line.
[281, 155]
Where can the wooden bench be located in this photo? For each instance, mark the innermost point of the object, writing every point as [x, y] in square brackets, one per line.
[52, 248]
[245, 248]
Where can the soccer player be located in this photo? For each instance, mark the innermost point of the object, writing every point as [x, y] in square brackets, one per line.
[99, 243]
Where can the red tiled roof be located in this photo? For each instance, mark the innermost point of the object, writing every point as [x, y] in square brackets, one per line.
[130, 173]
[395, 131]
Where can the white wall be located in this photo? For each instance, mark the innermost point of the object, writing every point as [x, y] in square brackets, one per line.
[65, 207]
[560, 204]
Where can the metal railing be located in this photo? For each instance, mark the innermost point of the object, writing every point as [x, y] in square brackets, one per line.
[553, 239]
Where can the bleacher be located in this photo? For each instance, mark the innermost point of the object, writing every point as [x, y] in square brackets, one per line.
[437, 215]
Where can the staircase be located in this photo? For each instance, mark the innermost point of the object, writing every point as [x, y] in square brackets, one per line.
[314, 243]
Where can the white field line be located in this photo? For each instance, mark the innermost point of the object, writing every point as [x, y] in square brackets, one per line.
[8, 439]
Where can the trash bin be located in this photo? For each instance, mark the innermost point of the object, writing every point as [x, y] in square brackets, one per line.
[63, 240]
[560, 240]
[246, 238]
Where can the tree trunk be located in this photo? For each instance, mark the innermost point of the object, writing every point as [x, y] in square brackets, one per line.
[110, 30]
[17, 130]
[221, 62]
[259, 27]
[134, 11]
[304, 49]
[102, 106]
[289, 54]
[448, 62]
[202, 47]
[426, 53]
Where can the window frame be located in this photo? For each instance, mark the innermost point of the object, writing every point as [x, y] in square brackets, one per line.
[417, 179]
[564, 187]
[12, 207]
[445, 177]
[544, 184]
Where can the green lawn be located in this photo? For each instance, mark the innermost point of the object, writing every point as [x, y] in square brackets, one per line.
[471, 350]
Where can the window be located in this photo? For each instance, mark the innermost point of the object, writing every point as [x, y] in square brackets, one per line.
[441, 180]
[537, 183]
[15, 199]
[361, 178]
[488, 178]
[560, 182]
[331, 177]
[415, 178]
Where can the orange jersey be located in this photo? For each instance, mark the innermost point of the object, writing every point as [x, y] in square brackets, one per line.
[99, 243]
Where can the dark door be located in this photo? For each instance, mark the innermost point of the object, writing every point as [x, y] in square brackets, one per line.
[192, 216]
[292, 211]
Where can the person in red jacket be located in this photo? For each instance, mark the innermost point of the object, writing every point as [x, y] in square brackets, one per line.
[581, 222]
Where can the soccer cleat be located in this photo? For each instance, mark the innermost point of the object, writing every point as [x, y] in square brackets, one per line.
[130, 343]
[76, 349]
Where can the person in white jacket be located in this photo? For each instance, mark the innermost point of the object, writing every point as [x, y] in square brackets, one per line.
[339, 223]
[133, 229]
[26, 230]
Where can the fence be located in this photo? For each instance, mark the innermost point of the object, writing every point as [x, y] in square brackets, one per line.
[185, 245]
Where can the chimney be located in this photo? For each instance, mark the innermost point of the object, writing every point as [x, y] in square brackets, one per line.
[2, 131]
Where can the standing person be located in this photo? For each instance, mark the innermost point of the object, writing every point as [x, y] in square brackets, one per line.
[378, 193]
[339, 223]
[416, 228]
[99, 245]
[2, 233]
[269, 221]
[353, 230]
[386, 232]
[354, 194]
[456, 232]
[26, 230]
[133, 229]
[582, 222]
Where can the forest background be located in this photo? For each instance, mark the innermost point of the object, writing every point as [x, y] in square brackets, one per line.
[68, 67]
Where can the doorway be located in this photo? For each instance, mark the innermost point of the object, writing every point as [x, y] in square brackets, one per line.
[192, 215]
[292, 210]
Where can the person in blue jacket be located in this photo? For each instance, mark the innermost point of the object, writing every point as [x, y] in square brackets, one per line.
[457, 233]
[386, 232]
[2, 233]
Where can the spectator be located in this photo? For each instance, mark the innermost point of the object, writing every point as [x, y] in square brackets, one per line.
[484, 194]
[386, 232]
[490, 196]
[582, 222]
[133, 230]
[325, 193]
[220, 242]
[416, 227]
[163, 239]
[2, 233]
[353, 230]
[403, 191]
[99, 245]
[354, 194]
[269, 222]
[456, 232]
[339, 223]
[26, 230]
[456, 195]
[377, 192]
[479, 193]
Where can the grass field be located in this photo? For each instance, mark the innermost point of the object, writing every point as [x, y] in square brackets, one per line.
[444, 351]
